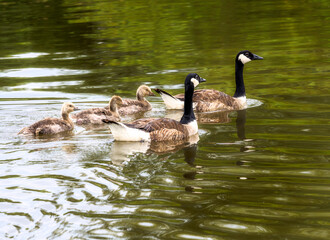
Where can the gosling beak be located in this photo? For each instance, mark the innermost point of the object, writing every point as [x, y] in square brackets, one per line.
[202, 79]
[151, 94]
[256, 57]
[75, 109]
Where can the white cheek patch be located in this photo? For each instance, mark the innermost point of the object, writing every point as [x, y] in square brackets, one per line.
[243, 58]
[195, 82]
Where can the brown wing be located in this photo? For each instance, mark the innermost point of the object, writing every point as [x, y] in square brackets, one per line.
[209, 95]
[167, 135]
[164, 123]
[141, 123]
[161, 129]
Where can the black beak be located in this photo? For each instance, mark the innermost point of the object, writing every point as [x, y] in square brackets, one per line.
[202, 79]
[75, 109]
[256, 57]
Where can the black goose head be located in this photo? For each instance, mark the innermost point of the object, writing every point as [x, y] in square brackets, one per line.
[194, 79]
[247, 56]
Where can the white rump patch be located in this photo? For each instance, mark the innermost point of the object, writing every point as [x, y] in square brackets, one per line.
[243, 58]
[121, 132]
[195, 82]
[192, 127]
[171, 102]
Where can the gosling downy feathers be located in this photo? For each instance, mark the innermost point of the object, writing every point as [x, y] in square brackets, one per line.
[130, 106]
[95, 115]
[52, 125]
[206, 100]
[162, 129]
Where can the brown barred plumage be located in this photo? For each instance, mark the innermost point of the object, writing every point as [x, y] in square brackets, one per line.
[161, 129]
[206, 100]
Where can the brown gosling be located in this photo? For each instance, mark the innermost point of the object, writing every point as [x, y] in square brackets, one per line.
[131, 106]
[50, 126]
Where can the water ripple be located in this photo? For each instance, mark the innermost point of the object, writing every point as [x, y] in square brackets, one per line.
[40, 72]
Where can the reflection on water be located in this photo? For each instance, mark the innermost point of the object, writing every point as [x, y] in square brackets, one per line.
[260, 173]
[24, 55]
[123, 151]
[40, 72]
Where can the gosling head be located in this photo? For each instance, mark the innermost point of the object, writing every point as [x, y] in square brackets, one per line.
[68, 107]
[247, 56]
[116, 99]
[115, 102]
[143, 91]
[194, 78]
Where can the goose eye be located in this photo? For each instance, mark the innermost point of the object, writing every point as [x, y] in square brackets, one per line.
[247, 54]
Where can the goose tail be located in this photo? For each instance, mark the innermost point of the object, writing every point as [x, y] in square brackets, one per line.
[122, 132]
[170, 101]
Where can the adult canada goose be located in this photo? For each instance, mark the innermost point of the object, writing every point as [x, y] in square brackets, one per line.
[162, 129]
[95, 115]
[211, 100]
[130, 106]
[52, 125]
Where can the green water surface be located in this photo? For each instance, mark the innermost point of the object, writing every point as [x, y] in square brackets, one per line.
[260, 173]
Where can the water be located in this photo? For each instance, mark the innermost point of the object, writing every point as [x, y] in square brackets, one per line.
[262, 173]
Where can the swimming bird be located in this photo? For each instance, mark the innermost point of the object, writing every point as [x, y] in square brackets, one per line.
[206, 100]
[95, 115]
[52, 125]
[130, 106]
[162, 129]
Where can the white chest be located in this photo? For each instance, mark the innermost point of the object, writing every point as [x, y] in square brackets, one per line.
[241, 101]
[192, 128]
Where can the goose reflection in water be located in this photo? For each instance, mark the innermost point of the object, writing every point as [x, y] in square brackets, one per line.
[205, 117]
[190, 152]
[122, 151]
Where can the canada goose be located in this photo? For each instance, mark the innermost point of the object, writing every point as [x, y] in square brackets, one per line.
[95, 115]
[52, 125]
[130, 106]
[211, 100]
[161, 129]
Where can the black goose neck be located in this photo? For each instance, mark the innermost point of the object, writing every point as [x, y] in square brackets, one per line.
[188, 114]
[240, 88]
